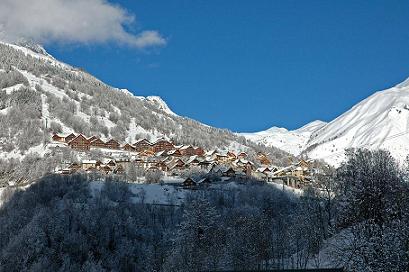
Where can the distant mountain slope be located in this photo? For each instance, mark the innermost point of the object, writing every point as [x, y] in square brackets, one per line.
[381, 121]
[293, 142]
[40, 95]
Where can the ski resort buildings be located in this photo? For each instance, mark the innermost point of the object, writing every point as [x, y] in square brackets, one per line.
[175, 160]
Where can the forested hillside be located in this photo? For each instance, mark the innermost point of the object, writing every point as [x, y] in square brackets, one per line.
[356, 218]
[40, 95]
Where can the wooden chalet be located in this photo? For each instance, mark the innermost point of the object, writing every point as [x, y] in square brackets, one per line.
[97, 143]
[177, 164]
[142, 145]
[199, 151]
[129, 147]
[193, 161]
[92, 138]
[58, 138]
[162, 145]
[222, 158]
[69, 138]
[162, 166]
[189, 183]
[242, 155]
[205, 164]
[187, 150]
[112, 144]
[119, 169]
[74, 167]
[231, 155]
[87, 164]
[263, 159]
[175, 153]
[147, 153]
[105, 169]
[80, 143]
[98, 163]
[111, 163]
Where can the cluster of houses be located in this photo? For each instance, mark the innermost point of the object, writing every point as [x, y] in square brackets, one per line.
[173, 160]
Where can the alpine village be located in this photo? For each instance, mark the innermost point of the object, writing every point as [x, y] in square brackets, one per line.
[181, 165]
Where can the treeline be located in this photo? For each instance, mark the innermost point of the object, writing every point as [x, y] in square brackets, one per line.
[21, 124]
[359, 216]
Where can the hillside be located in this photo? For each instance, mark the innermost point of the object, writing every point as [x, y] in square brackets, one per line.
[381, 121]
[41, 95]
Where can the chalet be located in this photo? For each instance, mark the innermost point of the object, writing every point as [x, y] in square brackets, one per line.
[242, 155]
[263, 172]
[189, 183]
[193, 161]
[222, 157]
[162, 144]
[58, 138]
[263, 159]
[105, 169]
[119, 169]
[175, 153]
[112, 144]
[146, 154]
[161, 165]
[206, 164]
[231, 155]
[223, 171]
[123, 161]
[243, 163]
[177, 164]
[161, 154]
[69, 138]
[97, 142]
[92, 138]
[128, 147]
[109, 162]
[211, 153]
[199, 151]
[87, 164]
[80, 143]
[187, 150]
[74, 167]
[98, 163]
[142, 145]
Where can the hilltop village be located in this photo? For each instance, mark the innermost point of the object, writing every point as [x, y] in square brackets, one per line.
[176, 161]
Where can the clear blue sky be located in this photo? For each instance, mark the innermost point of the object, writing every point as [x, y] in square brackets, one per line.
[249, 65]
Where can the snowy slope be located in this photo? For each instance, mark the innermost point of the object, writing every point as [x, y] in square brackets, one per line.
[294, 142]
[381, 121]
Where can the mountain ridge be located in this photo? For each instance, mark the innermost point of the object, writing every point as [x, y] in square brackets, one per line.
[371, 123]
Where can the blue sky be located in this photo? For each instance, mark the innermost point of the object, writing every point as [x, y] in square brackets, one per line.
[249, 65]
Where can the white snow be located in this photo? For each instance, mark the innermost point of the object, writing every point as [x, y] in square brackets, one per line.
[380, 121]
[293, 142]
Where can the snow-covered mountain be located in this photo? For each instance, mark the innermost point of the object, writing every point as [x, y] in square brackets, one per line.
[381, 121]
[291, 141]
[40, 95]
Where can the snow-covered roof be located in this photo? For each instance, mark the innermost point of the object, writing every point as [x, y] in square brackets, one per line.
[89, 161]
